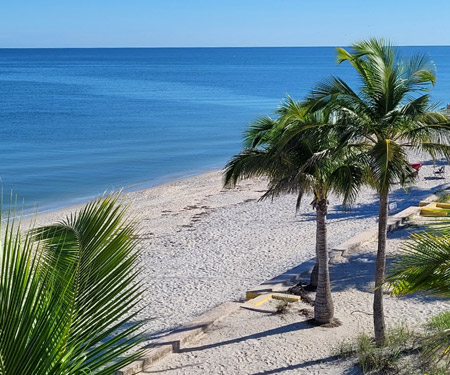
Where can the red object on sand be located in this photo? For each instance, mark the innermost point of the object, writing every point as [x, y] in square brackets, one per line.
[416, 166]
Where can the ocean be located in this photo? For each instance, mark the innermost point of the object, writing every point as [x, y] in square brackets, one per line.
[75, 123]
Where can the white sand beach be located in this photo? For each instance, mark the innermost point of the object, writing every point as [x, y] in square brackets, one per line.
[203, 245]
[257, 343]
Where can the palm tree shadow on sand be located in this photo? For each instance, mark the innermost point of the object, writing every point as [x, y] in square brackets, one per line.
[297, 326]
[354, 370]
[402, 199]
[359, 270]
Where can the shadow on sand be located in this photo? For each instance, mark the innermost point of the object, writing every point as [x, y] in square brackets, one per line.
[402, 199]
[271, 332]
[359, 271]
[302, 365]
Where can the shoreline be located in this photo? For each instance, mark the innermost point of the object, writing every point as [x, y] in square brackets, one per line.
[77, 203]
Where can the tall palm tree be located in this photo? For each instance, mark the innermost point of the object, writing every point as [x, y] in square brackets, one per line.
[299, 161]
[389, 114]
[67, 293]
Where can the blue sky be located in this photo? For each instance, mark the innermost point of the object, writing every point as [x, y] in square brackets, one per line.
[172, 23]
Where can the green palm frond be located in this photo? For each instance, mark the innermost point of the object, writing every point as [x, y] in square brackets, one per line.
[104, 285]
[424, 265]
[414, 107]
[336, 94]
[259, 132]
[419, 70]
[291, 113]
[69, 291]
[291, 184]
[32, 321]
[389, 165]
[435, 149]
[347, 180]
[250, 163]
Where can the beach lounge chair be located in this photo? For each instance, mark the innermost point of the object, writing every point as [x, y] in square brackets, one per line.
[439, 171]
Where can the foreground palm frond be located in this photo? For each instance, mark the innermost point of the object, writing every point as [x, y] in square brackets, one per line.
[424, 266]
[68, 293]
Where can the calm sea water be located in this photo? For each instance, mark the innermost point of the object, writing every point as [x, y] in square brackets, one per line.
[77, 122]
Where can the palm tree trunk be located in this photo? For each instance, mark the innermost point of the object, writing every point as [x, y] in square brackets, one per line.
[314, 275]
[323, 305]
[378, 312]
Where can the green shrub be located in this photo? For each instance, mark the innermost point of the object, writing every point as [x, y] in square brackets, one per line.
[439, 322]
[346, 349]
[436, 344]
[405, 351]
[444, 198]
[372, 358]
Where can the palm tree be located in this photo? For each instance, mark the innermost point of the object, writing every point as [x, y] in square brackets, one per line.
[423, 266]
[390, 114]
[67, 293]
[299, 161]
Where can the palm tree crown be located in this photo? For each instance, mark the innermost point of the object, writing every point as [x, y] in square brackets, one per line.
[297, 156]
[391, 112]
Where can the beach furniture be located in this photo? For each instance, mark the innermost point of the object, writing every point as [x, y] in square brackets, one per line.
[416, 166]
[392, 207]
[439, 171]
[436, 210]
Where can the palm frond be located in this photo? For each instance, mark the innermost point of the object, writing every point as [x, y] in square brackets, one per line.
[33, 319]
[292, 184]
[419, 70]
[69, 292]
[424, 265]
[251, 163]
[259, 132]
[98, 246]
[347, 181]
[389, 165]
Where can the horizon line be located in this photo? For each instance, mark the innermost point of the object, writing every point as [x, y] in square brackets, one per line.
[217, 47]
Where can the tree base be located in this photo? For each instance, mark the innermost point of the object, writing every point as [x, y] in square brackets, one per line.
[335, 322]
